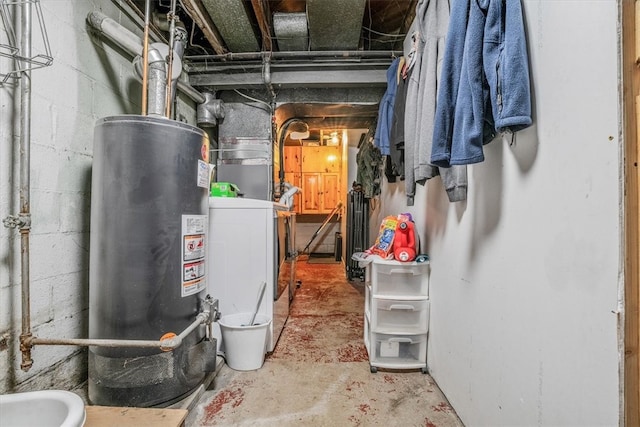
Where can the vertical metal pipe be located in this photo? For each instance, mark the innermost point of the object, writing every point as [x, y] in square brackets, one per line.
[25, 215]
[172, 28]
[145, 55]
[157, 81]
[180, 42]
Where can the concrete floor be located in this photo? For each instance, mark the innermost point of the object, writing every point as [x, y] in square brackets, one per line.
[318, 374]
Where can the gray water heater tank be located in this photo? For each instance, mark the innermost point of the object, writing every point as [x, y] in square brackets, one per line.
[149, 194]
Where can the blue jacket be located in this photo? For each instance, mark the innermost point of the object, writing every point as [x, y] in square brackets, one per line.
[385, 112]
[485, 80]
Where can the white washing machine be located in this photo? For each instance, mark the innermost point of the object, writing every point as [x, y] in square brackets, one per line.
[248, 244]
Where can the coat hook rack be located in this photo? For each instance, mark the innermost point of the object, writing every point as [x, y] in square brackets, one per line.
[11, 50]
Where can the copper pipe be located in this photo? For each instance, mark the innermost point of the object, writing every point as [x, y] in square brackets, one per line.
[155, 33]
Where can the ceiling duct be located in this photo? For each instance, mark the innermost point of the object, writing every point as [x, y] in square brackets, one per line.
[335, 24]
[291, 31]
[233, 23]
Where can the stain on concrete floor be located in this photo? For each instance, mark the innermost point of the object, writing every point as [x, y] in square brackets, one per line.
[319, 373]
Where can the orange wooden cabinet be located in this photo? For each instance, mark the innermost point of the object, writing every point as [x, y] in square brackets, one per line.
[321, 159]
[295, 179]
[316, 170]
[292, 158]
[311, 193]
[292, 175]
[330, 191]
[320, 192]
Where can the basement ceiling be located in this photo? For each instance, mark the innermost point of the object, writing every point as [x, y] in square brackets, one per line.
[275, 46]
[219, 27]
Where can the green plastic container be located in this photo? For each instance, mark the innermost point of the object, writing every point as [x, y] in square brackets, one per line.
[224, 189]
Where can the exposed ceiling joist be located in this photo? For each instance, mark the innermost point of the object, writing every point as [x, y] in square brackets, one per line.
[233, 23]
[201, 18]
[262, 13]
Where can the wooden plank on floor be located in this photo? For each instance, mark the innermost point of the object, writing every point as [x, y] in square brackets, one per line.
[108, 416]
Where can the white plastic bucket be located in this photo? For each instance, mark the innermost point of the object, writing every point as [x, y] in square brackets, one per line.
[244, 345]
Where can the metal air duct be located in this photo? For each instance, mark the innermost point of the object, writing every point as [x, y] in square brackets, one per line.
[291, 31]
[335, 24]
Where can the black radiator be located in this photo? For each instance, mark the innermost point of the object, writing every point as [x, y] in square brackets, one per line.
[357, 232]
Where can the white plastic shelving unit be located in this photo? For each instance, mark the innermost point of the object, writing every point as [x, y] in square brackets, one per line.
[396, 323]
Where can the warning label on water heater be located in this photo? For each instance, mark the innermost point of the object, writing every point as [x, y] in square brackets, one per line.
[193, 247]
[193, 254]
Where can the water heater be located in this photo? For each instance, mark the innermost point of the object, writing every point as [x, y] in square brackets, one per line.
[149, 204]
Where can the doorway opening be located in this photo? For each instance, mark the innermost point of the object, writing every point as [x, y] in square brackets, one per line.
[321, 162]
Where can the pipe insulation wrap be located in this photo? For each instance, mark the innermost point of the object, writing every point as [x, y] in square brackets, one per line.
[131, 43]
[157, 88]
[116, 32]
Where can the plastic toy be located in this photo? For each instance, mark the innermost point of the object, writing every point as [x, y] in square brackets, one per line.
[404, 242]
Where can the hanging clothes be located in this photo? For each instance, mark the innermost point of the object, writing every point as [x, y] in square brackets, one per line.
[394, 166]
[424, 48]
[385, 111]
[485, 85]
[369, 162]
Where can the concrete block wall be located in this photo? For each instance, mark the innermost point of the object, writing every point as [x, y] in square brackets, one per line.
[323, 243]
[89, 79]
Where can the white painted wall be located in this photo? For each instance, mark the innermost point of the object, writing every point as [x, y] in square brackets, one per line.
[323, 243]
[352, 167]
[89, 79]
[525, 274]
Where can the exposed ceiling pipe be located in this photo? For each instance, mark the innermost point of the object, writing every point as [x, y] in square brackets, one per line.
[154, 30]
[115, 32]
[306, 54]
[179, 46]
[163, 24]
[132, 44]
[210, 111]
[192, 93]
[266, 77]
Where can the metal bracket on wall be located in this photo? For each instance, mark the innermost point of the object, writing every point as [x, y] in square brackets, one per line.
[22, 221]
[11, 50]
